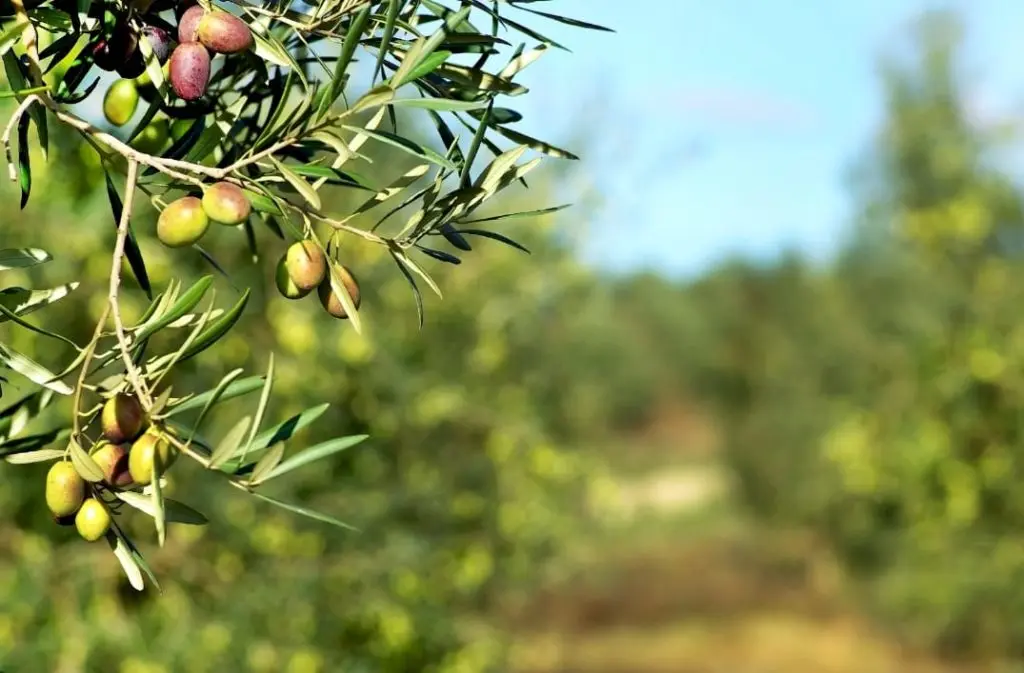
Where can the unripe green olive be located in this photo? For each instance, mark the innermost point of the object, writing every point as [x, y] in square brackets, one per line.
[65, 489]
[153, 138]
[143, 453]
[123, 418]
[182, 223]
[92, 520]
[120, 102]
[226, 203]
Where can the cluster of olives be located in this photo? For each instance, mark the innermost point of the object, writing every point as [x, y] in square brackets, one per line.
[185, 221]
[199, 33]
[303, 268]
[187, 65]
[125, 454]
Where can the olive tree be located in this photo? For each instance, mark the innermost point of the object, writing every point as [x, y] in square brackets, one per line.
[238, 115]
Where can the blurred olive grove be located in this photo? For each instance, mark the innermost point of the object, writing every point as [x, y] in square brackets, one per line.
[876, 402]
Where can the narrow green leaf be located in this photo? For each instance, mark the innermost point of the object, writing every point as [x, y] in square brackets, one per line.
[213, 398]
[301, 186]
[235, 389]
[261, 408]
[24, 160]
[21, 302]
[268, 462]
[174, 511]
[127, 559]
[183, 305]
[442, 104]
[348, 50]
[20, 258]
[33, 371]
[230, 443]
[83, 463]
[314, 453]
[219, 328]
[305, 512]
[40, 456]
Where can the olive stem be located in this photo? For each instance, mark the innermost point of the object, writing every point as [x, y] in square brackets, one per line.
[89, 351]
[115, 281]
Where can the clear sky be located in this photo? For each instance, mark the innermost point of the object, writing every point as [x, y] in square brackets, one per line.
[726, 126]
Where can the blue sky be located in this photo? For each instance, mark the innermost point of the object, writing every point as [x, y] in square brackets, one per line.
[727, 126]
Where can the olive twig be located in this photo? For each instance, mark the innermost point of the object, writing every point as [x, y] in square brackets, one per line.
[115, 281]
[90, 349]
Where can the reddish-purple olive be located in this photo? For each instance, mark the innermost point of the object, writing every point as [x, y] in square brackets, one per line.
[190, 70]
[224, 33]
[188, 25]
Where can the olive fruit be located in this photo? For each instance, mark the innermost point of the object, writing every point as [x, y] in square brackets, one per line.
[65, 489]
[285, 285]
[182, 223]
[224, 33]
[153, 138]
[330, 301]
[190, 70]
[123, 418]
[133, 66]
[159, 41]
[180, 127]
[306, 264]
[112, 459]
[120, 102]
[226, 203]
[188, 24]
[68, 520]
[143, 453]
[92, 520]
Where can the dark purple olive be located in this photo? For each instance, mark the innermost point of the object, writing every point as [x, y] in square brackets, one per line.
[102, 57]
[160, 41]
[134, 66]
[190, 70]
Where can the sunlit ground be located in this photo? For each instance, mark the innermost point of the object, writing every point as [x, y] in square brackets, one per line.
[677, 582]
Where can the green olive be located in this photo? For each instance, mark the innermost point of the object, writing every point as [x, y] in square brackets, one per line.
[65, 489]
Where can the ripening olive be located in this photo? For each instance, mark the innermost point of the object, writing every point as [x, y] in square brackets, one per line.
[306, 264]
[120, 102]
[146, 448]
[123, 418]
[113, 460]
[330, 301]
[188, 24]
[182, 223]
[285, 285]
[226, 204]
[92, 520]
[190, 70]
[65, 489]
[224, 33]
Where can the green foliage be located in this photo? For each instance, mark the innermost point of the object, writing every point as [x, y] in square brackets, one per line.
[427, 453]
[878, 402]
